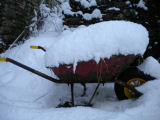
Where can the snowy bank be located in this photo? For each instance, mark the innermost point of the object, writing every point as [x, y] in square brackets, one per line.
[149, 65]
[101, 40]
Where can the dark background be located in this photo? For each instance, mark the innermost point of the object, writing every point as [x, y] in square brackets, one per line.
[15, 15]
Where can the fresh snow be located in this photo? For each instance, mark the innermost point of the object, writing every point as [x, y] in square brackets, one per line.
[101, 40]
[87, 3]
[149, 65]
[95, 14]
[114, 8]
[86, 16]
[141, 4]
[128, 2]
[26, 96]
[52, 21]
[65, 6]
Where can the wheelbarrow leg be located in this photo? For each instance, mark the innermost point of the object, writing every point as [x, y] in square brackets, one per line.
[72, 94]
[95, 91]
[84, 89]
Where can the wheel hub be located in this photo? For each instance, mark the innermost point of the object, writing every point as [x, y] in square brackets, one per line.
[134, 82]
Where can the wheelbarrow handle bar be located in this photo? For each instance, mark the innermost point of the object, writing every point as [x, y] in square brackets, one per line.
[38, 47]
[32, 70]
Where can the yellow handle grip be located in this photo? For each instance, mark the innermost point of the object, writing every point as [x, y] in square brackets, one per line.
[34, 47]
[37, 47]
[3, 59]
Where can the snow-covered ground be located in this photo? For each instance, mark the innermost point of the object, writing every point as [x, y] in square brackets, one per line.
[26, 96]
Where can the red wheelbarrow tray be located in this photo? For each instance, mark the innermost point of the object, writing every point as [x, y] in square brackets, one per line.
[91, 71]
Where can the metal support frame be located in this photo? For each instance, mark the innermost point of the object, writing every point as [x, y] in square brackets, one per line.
[72, 94]
[95, 91]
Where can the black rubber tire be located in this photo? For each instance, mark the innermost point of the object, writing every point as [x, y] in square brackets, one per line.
[129, 74]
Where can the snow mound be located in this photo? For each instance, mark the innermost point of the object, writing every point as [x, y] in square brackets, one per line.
[149, 65]
[101, 40]
[95, 14]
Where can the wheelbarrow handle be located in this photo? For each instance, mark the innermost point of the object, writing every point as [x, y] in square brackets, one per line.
[30, 69]
[38, 47]
[3, 59]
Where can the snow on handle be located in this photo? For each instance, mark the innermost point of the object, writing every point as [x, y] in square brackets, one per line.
[101, 40]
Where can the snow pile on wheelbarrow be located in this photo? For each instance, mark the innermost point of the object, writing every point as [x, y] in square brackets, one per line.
[101, 40]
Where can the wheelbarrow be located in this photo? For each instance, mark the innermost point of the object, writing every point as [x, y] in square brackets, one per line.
[119, 69]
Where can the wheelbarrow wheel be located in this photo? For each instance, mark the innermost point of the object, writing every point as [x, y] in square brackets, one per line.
[132, 77]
